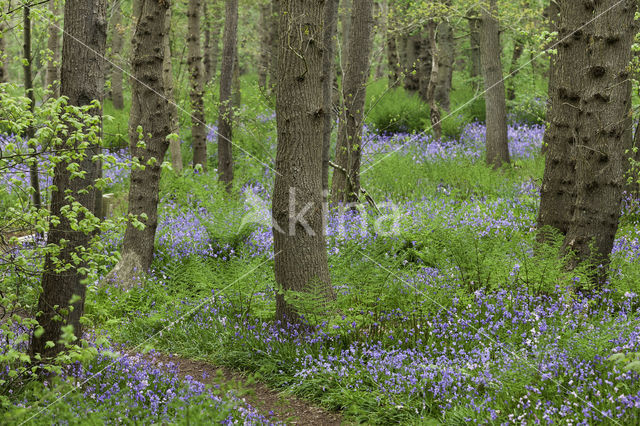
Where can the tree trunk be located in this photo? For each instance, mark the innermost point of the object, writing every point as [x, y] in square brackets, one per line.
[346, 186]
[167, 76]
[265, 44]
[81, 80]
[497, 142]
[393, 59]
[412, 44]
[446, 56]
[300, 261]
[207, 60]
[328, 61]
[602, 136]
[236, 86]
[518, 48]
[557, 193]
[117, 43]
[434, 105]
[28, 92]
[52, 78]
[225, 111]
[155, 119]
[426, 61]
[214, 47]
[475, 68]
[345, 30]
[196, 78]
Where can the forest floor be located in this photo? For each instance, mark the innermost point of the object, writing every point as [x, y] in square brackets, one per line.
[274, 405]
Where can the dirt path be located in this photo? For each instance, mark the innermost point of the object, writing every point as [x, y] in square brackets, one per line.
[273, 405]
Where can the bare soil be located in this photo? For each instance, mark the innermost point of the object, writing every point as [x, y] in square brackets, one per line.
[269, 402]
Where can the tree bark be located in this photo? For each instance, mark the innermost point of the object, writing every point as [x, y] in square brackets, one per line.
[300, 261]
[81, 81]
[52, 78]
[155, 118]
[328, 61]
[497, 142]
[414, 50]
[475, 68]
[346, 186]
[196, 78]
[207, 60]
[446, 48]
[518, 48]
[601, 130]
[434, 105]
[557, 193]
[225, 110]
[214, 48]
[167, 76]
[117, 43]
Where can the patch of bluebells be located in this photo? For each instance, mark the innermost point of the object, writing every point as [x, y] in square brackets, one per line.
[524, 142]
[16, 174]
[125, 387]
[508, 356]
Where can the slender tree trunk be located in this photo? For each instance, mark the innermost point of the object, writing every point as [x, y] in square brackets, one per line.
[196, 77]
[434, 105]
[413, 52]
[236, 86]
[225, 117]
[265, 44]
[343, 37]
[300, 261]
[207, 60]
[446, 56]
[475, 68]
[346, 186]
[518, 48]
[28, 92]
[381, 13]
[602, 136]
[557, 193]
[497, 142]
[215, 39]
[393, 59]
[52, 78]
[117, 43]
[155, 118]
[167, 75]
[81, 81]
[424, 72]
[328, 61]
